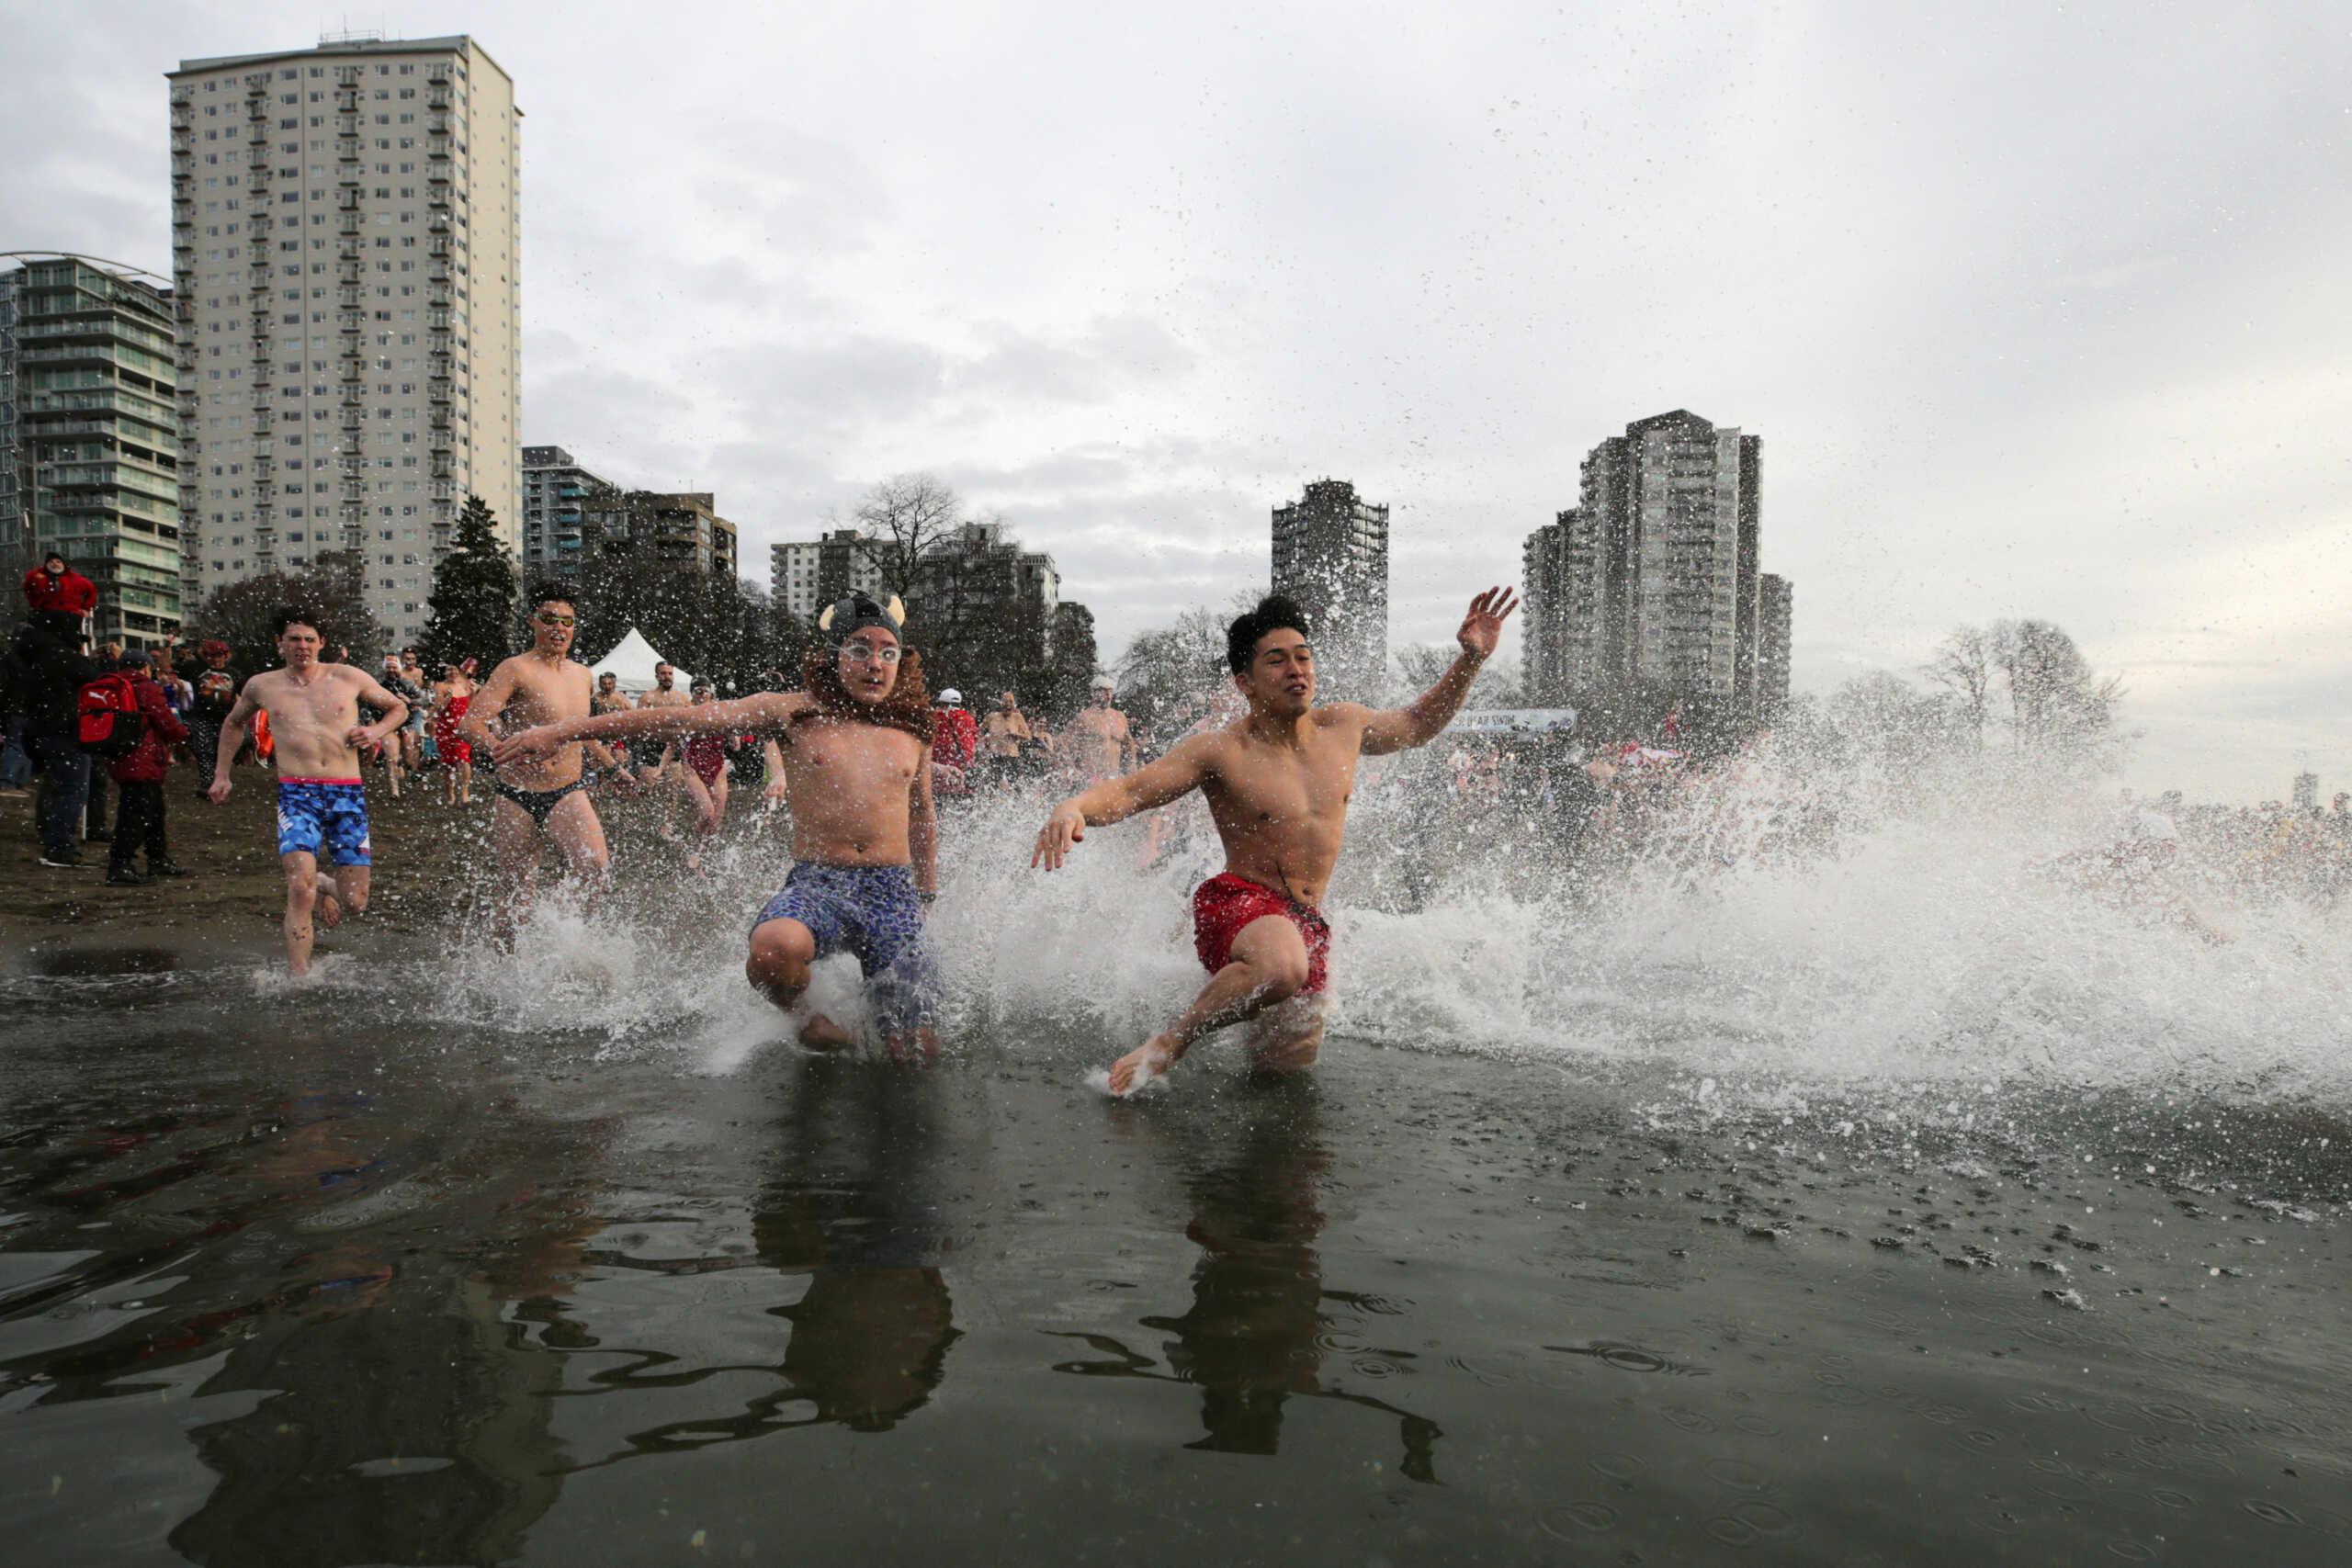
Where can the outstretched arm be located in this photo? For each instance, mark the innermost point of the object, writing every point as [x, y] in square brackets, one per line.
[483, 711]
[766, 710]
[1419, 723]
[1115, 800]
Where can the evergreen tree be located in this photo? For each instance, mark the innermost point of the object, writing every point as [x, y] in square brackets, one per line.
[473, 595]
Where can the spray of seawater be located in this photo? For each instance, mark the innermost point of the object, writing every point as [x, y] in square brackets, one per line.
[1766, 931]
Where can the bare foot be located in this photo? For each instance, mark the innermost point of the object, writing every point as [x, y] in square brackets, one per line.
[822, 1033]
[1140, 1066]
[330, 910]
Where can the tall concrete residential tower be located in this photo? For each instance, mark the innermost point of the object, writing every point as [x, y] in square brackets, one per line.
[1653, 579]
[89, 439]
[563, 511]
[806, 575]
[345, 242]
[1331, 555]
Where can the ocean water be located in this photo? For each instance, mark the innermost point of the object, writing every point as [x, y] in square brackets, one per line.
[1823, 1177]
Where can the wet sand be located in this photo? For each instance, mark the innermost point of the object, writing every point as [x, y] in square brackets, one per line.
[279, 1292]
[430, 859]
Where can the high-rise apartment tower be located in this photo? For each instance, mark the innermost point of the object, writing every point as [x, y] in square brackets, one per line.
[563, 510]
[346, 244]
[1653, 578]
[89, 465]
[1330, 553]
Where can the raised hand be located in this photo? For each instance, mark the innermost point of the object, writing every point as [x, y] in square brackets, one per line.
[1483, 626]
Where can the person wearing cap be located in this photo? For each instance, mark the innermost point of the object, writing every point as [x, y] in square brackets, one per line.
[856, 750]
[55, 587]
[215, 686]
[955, 743]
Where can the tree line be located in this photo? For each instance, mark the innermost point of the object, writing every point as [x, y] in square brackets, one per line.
[714, 623]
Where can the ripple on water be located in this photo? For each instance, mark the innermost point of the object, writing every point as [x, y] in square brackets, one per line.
[1573, 1521]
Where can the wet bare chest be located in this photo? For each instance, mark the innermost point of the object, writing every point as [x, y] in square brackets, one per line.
[852, 763]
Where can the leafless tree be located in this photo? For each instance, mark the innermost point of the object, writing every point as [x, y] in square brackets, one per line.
[2055, 699]
[1963, 668]
[904, 517]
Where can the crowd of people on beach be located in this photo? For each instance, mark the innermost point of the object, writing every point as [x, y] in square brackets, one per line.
[858, 756]
[855, 750]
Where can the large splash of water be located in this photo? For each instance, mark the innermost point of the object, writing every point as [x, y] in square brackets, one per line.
[1770, 924]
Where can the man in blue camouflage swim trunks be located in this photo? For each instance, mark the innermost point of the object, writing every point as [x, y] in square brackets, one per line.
[322, 807]
[856, 747]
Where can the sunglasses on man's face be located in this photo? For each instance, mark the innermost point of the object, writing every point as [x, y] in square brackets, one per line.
[548, 619]
[865, 652]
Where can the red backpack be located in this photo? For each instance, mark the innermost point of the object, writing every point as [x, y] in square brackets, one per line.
[107, 719]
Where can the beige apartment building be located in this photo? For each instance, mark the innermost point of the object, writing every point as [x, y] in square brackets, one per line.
[345, 249]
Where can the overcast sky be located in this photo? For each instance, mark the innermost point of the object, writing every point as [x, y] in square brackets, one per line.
[2039, 312]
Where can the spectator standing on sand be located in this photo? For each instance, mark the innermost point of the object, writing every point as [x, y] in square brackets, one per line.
[16, 706]
[138, 779]
[57, 588]
[56, 670]
[955, 746]
[95, 831]
[215, 686]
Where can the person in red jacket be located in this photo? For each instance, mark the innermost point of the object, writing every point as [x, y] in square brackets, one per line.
[952, 746]
[54, 585]
[138, 813]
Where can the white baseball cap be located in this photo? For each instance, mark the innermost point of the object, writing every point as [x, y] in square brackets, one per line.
[950, 697]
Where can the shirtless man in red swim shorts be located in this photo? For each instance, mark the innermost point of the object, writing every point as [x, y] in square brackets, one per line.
[1277, 782]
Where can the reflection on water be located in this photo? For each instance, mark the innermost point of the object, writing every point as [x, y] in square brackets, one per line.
[275, 1292]
[849, 1207]
[1261, 1321]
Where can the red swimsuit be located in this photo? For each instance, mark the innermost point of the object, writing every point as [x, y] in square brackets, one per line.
[1225, 903]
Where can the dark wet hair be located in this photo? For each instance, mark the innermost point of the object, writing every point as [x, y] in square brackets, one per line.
[1273, 612]
[291, 616]
[552, 592]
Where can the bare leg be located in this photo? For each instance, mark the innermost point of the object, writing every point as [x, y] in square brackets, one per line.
[301, 898]
[466, 782]
[1268, 966]
[343, 892]
[778, 969]
[1287, 1037]
[578, 835]
[515, 839]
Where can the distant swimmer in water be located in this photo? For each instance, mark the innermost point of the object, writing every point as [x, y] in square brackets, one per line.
[2132, 875]
[313, 714]
[1277, 781]
[542, 795]
[856, 759]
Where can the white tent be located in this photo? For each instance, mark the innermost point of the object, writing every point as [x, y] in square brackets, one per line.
[631, 663]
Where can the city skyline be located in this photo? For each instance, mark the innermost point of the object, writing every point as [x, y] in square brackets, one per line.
[2009, 369]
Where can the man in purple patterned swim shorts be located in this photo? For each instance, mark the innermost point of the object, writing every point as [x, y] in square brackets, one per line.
[856, 747]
